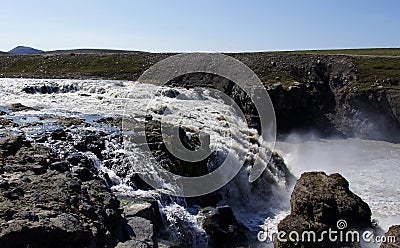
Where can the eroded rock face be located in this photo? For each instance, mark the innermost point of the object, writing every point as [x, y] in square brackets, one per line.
[222, 227]
[320, 96]
[392, 237]
[43, 204]
[318, 202]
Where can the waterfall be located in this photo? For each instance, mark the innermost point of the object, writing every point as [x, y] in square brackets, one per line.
[257, 204]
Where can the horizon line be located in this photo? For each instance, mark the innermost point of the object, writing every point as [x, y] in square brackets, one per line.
[204, 51]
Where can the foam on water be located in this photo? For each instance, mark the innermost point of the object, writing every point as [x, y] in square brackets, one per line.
[195, 109]
[371, 167]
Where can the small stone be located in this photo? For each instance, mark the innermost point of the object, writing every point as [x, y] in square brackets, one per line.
[58, 134]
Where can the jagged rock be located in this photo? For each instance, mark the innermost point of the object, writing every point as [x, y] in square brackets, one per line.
[222, 227]
[393, 233]
[16, 107]
[277, 86]
[10, 145]
[156, 143]
[116, 122]
[93, 143]
[44, 205]
[58, 134]
[148, 210]
[83, 167]
[318, 202]
[44, 89]
[208, 200]
[171, 93]
[141, 233]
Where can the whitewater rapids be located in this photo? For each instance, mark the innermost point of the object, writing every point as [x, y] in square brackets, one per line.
[371, 167]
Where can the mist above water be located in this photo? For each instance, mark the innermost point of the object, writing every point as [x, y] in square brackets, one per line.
[371, 167]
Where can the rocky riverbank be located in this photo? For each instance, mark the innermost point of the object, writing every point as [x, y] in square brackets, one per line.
[48, 200]
[51, 202]
[65, 179]
[61, 181]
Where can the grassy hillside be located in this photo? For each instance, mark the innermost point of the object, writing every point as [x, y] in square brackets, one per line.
[77, 65]
[357, 52]
[371, 65]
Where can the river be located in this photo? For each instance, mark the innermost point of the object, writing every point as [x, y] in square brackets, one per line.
[371, 167]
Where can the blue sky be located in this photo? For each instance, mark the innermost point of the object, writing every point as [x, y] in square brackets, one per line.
[184, 25]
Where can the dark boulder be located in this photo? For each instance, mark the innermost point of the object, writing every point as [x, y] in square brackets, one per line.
[222, 227]
[10, 145]
[91, 143]
[58, 134]
[157, 144]
[318, 203]
[82, 166]
[171, 93]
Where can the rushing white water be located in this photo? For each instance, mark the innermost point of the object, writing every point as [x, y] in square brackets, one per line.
[196, 109]
[371, 167]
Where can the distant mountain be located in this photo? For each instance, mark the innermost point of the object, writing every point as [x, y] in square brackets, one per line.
[24, 50]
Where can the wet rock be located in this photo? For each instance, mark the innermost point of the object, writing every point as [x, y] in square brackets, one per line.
[71, 121]
[58, 134]
[222, 227]
[91, 142]
[84, 174]
[44, 89]
[80, 160]
[277, 86]
[171, 93]
[16, 107]
[5, 122]
[83, 167]
[208, 200]
[50, 88]
[318, 202]
[155, 142]
[116, 122]
[392, 237]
